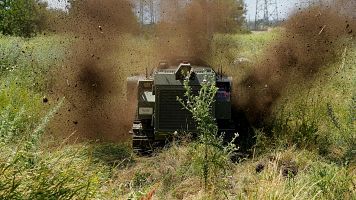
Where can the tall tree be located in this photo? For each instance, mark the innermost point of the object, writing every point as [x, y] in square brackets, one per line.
[22, 17]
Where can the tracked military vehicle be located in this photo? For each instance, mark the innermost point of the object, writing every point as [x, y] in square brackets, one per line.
[160, 115]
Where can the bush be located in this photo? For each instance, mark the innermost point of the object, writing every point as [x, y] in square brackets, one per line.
[22, 17]
[210, 156]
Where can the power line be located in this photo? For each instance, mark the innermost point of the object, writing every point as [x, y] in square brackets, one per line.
[146, 12]
[266, 13]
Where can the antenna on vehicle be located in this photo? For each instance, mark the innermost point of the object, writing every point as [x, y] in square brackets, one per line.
[221, 71]
[146, 73]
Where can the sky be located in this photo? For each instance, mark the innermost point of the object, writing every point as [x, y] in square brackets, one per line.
[57, 3]
[284, 7]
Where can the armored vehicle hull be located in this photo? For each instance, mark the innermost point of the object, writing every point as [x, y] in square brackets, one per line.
[160, 116]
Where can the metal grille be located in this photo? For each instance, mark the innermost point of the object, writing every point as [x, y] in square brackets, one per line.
[172, 115]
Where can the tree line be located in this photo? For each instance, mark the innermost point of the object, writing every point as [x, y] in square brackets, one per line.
[26, 18]
[22, 17]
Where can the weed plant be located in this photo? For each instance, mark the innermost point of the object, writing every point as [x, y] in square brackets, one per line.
[210, 156]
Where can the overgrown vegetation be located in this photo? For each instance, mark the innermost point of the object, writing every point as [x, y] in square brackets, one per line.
[309, 152]
[321, 115]
[23, 18]
[209, 154]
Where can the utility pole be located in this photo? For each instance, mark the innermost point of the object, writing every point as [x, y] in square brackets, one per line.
[249, 23]
[141, 12]
[146, 12]
[266, 13]
[152, 12]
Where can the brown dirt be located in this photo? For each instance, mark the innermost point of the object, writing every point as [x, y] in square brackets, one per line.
[313, 39]
[186, 29]
[92, 82]
[89, 79]
[182, 32]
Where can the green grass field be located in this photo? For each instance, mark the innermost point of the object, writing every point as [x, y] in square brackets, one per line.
[310, 153]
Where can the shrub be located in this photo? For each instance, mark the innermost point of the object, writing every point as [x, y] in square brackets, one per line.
[21, 17]
[209, 155]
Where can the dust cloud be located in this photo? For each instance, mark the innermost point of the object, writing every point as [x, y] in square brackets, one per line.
[89, 79]
[92, 81]
[186, 29]
[183, 30]
[313, 38]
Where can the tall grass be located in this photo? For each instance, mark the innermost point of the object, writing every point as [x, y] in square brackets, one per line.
[320, 115]
[315, 178]
[309, 154]
[27, 62]
[30, 172]
[20, 111]
[27, 170]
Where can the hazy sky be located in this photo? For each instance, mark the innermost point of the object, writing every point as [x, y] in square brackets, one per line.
[57, 3]
[284, 6]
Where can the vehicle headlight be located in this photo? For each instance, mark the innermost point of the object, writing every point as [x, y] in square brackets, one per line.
[145, 111]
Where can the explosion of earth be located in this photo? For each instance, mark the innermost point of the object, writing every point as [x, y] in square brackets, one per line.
[92, 82]
[313, 38]
[89, 79]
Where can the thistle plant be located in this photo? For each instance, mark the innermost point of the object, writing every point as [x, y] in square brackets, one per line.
[212, 155]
